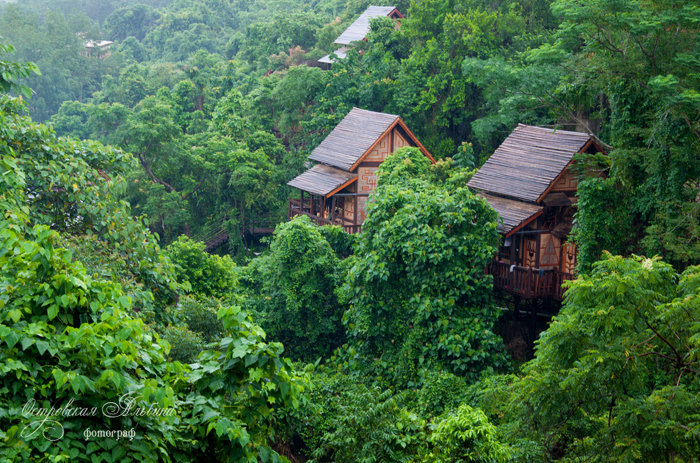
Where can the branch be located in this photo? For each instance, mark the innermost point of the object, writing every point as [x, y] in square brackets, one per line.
[187, 195]
[679, 359]
[150, 172]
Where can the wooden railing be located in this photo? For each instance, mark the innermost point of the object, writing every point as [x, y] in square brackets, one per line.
[297, 208]
[527, 282]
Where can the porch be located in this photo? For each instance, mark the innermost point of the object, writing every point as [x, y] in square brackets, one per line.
[308, 207]
[528, 282]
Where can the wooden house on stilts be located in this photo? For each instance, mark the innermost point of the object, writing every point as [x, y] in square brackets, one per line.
[335, 190]
[529, 181]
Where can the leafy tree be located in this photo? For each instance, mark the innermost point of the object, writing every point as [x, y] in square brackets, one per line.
[603, 220]
[292, 289]
[435, 94]
[81, 335]
[11, 72]
[465, 435]
[642, 56]
[207, 274]
[131, 21]
[418, 295]
[615, 376]
[346, 420]
[52, 43]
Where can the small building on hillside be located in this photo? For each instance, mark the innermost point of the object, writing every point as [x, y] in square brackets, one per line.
[358, 30]
[98, 48]
[530, 183]
[335, 190]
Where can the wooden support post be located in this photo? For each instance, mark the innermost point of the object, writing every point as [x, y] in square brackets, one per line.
[301, 202]
[533, 324]
[354, 211]
[513, 261]
[312, 209]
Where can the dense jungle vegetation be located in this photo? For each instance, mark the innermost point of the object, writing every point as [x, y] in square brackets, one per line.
[316, 345]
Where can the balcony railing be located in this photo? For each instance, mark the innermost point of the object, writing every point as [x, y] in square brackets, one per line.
[527, 282]
[297, 208]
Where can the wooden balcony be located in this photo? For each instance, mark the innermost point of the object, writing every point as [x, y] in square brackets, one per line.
[296, 207]
[527, 282]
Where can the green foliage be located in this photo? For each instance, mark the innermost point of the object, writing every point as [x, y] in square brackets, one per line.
[615, 376]
[75, 194]
[441, 391]
[340, 241]
[344, 420]
[51, 43]
[11, 72]
[347, 421]
[418, 295]
[603, 220]
[643, 57]
[197, 326]
[207, 274]
[244, 381]
[465, 435]
[223, 116]
[292, 290]
[185, 345]
[133, 21]
[71, 336]
[200, 316]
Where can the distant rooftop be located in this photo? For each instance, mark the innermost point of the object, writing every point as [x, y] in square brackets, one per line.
[97, 43]
[358, 30]
[341, 53]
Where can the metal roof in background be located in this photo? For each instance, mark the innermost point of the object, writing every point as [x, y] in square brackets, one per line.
[358, 30]
[341, 53]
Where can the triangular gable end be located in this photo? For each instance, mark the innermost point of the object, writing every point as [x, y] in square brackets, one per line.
[592, 141]
[398, 122]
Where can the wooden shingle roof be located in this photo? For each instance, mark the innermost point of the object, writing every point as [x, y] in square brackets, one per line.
[352, 138]
[528, 161]
[513, 212]
[358, 30]
[322, 180]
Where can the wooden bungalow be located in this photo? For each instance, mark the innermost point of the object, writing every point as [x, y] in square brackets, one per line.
[530, 183]
[335, 190]
[358, 30]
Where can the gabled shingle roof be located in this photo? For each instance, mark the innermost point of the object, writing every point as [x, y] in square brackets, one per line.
[528, 161]
[352, 137]
[511, 211]
[322, 180]
[358, 30]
